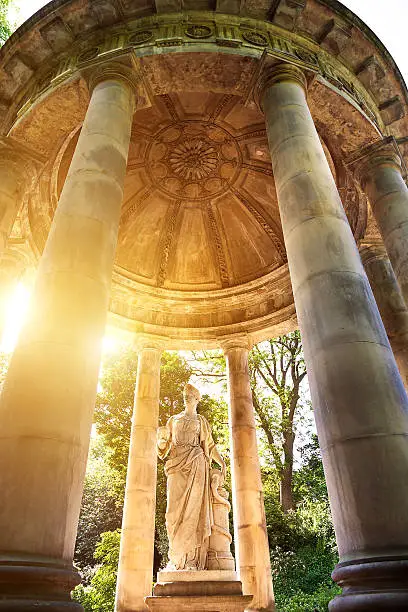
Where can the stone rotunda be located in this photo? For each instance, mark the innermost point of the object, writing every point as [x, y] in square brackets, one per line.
[207, 174]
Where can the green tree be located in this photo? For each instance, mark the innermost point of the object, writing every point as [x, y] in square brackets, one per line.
[99, 595]
[277, 370]
[114, 404]
[102, 503]
[309, 480]
[5, 26]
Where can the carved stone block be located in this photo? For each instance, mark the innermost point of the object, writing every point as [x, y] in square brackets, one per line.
[335, 36]
[200, 591]
[229, 6]
[168, 6]
[286, 12]
[392, 110]
[371, 73]
[18, 69]
[57, 34]
[104, 11]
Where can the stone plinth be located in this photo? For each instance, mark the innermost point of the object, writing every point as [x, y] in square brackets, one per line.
[201, 591]
[199, 576]
[193, 603]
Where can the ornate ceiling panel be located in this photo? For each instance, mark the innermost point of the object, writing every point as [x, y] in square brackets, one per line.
[192, 219]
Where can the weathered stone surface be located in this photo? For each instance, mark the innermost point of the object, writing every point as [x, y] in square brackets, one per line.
[47, 402]
[359, 401]
[187, 445]
[390, 302]
[335, 36]
[200, 257]
[251, 538]
[196, 576]
[215, 603]
[204, 587]
[380, 169]
[137, 541]
[286, 12]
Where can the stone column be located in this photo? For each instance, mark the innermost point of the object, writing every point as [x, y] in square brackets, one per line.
[251, 538]
[390, 302]
[379, 169]
[18, 166]
[48, 397]
[360, 404]
[135, 575]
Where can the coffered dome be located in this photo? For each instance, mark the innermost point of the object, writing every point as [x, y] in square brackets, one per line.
[200, 210]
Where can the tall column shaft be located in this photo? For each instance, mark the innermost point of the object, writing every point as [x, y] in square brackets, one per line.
[135, 573]
[359, 400]
[48, 397]
[390, 302]
[381, 178]
[251, 538]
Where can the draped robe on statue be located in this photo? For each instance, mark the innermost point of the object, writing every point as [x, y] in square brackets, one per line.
[189, 511]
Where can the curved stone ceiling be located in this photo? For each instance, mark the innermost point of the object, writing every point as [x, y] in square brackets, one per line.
[200, 210]
[200, 250]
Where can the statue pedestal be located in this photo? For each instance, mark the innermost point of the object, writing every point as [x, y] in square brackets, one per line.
[201, 591]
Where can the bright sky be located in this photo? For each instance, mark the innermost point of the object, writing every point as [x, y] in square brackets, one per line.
[387, 19]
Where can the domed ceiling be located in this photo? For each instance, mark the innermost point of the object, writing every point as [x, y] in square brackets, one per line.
[200, 210]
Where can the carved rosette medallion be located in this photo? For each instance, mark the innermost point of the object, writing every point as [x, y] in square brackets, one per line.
[255, 38]
[141, 37]
[194, 160]
[198, 31]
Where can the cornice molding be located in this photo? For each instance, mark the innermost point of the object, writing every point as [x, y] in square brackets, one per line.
[232, 35]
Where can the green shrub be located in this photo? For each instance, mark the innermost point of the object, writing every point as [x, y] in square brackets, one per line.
[310, 602]
[99, 596]
[302, 571]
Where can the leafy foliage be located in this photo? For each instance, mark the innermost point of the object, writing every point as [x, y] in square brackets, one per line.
[5, 26]
[309, 602]
[114, 404]
[102, 503]
[99, 595]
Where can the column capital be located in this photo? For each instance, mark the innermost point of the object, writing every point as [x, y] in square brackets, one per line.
[149, 342]
[242, 342]
[279, 73]
[384, 152]
[112, 71]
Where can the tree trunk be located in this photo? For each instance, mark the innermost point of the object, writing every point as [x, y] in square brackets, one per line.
[286, 481]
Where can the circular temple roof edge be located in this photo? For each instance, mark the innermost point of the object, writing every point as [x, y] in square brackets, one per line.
[372, 36]
[334, 5]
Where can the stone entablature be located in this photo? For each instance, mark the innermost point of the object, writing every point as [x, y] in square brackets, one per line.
[331, 32]
[205, 33]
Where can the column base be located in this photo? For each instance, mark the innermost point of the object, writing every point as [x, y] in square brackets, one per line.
[375, 585]
[39, 588]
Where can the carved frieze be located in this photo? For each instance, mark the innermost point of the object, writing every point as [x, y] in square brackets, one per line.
[149, 34]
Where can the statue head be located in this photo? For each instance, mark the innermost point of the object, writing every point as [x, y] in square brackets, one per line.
[191, 396]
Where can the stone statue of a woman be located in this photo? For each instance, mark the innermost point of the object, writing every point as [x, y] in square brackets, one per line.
[187, 443]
